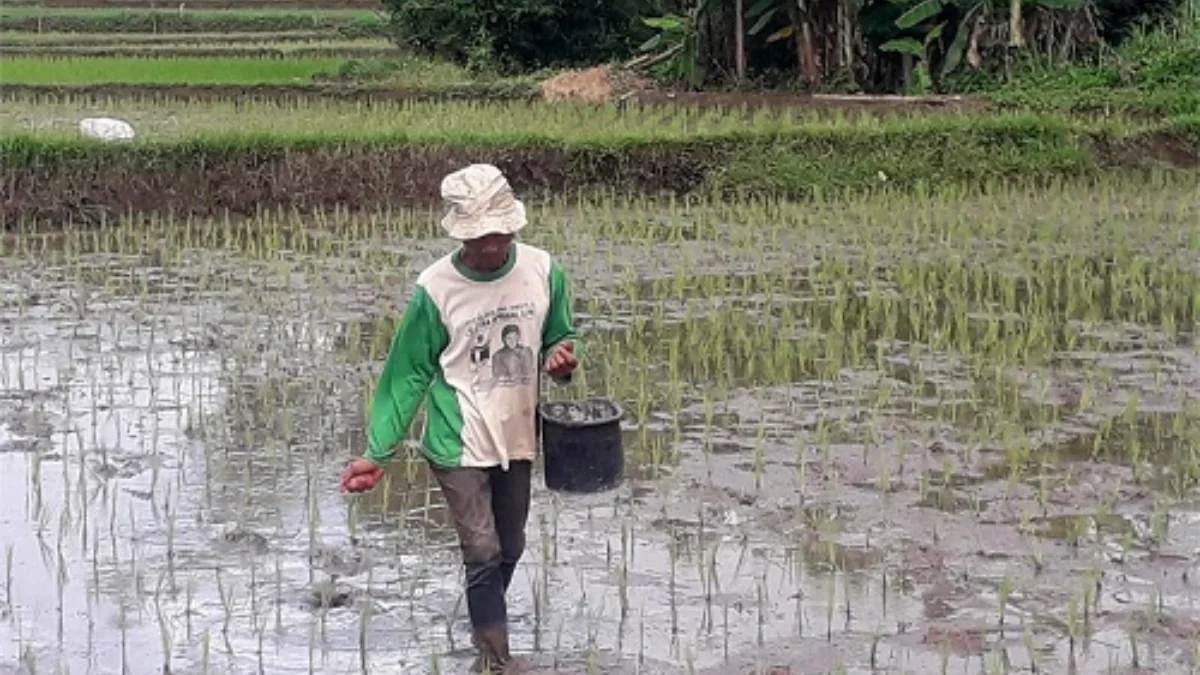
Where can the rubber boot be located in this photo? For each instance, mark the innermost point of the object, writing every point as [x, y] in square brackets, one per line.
[492, 643]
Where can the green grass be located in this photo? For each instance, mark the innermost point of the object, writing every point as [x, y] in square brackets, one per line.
[1155, 73]
[108, 12]
[346, 23]
[79, 40]
[568, 122]
[183, 70]
[365, 48]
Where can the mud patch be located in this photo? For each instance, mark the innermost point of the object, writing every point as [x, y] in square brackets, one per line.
[582, 412]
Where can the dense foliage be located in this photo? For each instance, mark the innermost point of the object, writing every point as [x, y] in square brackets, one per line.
[512, 35]
[865, 45]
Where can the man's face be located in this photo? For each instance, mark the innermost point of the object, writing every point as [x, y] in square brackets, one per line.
[510, 340]
[489, 252]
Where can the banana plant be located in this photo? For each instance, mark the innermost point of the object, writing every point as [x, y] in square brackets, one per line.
[678, 44]
[925, 17]
[762, 12]
[798, 27]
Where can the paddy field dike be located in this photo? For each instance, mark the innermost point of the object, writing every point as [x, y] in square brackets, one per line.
[910, 386]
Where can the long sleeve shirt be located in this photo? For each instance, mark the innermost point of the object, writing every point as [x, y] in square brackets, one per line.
[472, 346]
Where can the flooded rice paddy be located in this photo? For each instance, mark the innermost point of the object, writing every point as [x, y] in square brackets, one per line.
[887, 436]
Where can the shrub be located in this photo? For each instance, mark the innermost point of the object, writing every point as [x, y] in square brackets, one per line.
[519, 35]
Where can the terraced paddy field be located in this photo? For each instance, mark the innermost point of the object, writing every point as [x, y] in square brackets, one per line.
[303, 49]
[171, 70]
[62, 40]
[905, 392]
[891, 434]
[361, 5]
[240, 156]
[345, 22]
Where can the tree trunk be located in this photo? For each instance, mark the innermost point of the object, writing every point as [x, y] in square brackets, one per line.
[805, 50]
[1016, 38]
[739, 39]
[846, 35]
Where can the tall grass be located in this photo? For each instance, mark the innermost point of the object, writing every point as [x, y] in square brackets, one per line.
[1154, 71]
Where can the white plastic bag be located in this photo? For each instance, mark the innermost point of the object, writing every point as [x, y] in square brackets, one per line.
[106, 129]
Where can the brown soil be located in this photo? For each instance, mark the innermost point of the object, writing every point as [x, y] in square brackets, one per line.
[593, 85]
[242, 183]
[604, 83]
[876, 104]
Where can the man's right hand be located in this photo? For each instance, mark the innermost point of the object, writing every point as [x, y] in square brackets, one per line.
[361, 475]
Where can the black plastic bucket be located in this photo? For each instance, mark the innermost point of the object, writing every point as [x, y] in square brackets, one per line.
[581, 444]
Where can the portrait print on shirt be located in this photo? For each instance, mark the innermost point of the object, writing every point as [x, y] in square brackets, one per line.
[512, 364]
[500, 354]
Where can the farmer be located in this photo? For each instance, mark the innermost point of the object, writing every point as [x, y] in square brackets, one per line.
[493, 298]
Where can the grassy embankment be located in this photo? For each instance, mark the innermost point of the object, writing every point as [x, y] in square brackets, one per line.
[214, 158]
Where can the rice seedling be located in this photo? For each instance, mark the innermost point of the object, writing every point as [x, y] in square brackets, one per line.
[797, 377]
[347, 23]
[12, 38]
[152, 70]
[465, 120]
[269, 48]
[19, 11]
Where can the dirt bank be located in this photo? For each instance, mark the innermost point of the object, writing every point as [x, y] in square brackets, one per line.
[767, 99]
[70, 181]
[604, 84]
[244, 183]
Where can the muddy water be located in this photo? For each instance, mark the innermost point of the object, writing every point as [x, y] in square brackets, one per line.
[171, 435]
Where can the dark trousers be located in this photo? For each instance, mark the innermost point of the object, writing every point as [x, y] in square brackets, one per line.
[489, 508]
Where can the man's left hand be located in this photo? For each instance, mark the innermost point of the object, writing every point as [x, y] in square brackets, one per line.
[562, 361]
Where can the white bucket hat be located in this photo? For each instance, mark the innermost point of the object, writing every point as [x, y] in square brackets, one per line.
[480, 202]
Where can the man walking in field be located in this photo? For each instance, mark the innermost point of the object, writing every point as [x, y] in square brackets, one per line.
[493, 298]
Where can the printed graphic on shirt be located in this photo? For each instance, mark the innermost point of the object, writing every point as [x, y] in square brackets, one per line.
[499, 356]
[512, 365]
[481, 352]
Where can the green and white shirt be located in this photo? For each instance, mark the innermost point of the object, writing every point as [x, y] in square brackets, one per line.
[474, 344]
